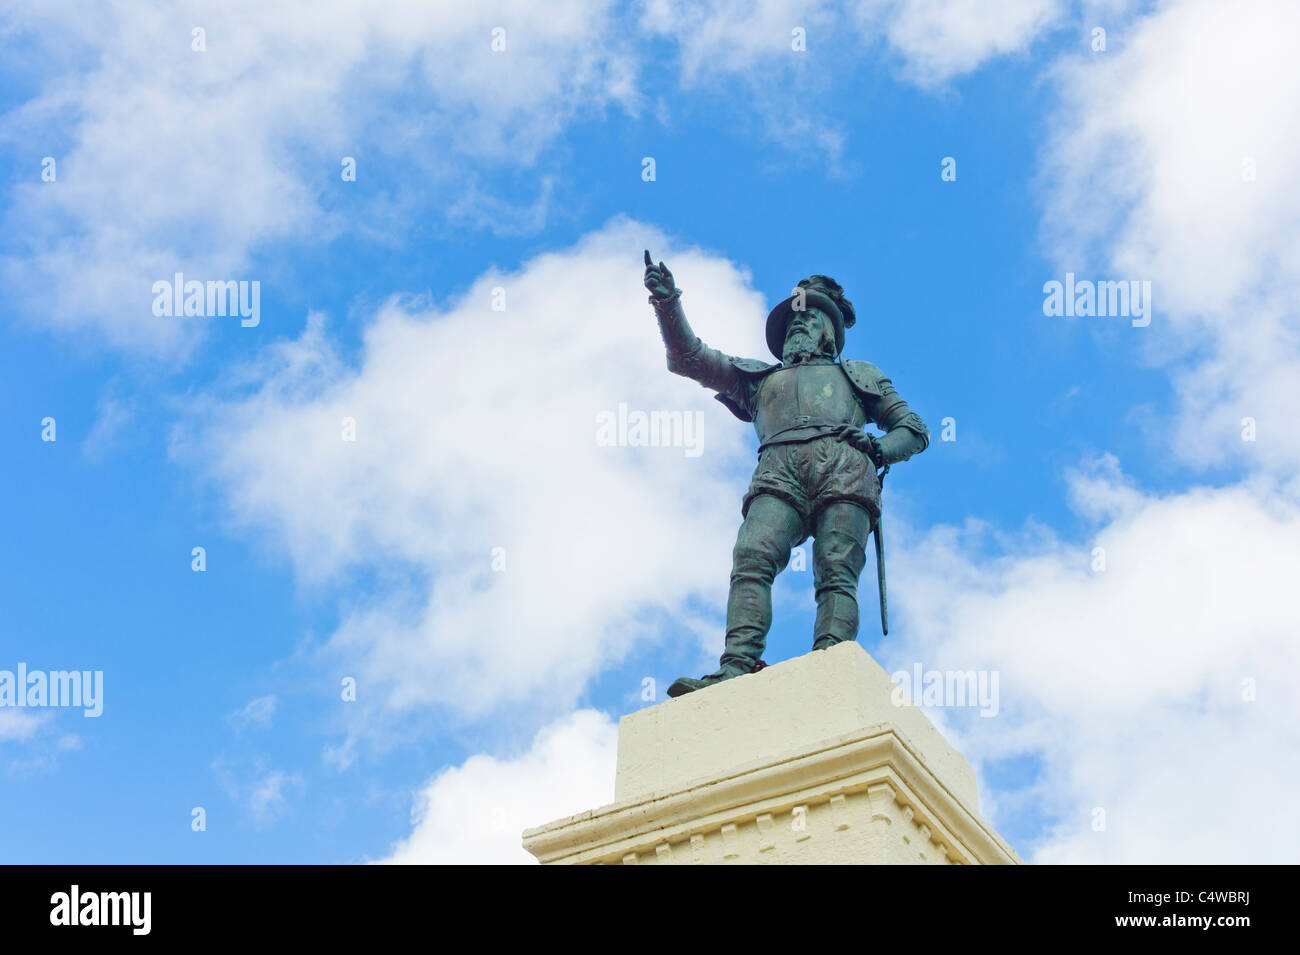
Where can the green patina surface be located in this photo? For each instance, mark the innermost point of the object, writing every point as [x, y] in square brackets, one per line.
[819, 472]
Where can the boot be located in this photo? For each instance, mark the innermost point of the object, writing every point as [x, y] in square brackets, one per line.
[763, 545]
[839, 554]
[688, 684]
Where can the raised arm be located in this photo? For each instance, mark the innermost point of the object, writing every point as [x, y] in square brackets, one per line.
[687, 355]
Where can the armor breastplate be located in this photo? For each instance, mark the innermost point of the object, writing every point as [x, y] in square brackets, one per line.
[803, 401]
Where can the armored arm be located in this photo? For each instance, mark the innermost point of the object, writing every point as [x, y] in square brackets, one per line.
[687, 355]
[906, 432]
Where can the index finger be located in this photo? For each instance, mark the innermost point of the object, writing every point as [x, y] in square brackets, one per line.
[647, 259]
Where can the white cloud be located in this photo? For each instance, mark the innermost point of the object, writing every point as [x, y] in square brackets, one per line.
[1128, 684]
[262, 789]
[257, 712]
[1132, 687]
[935, 39]
[112, 423]
[172, 160]
[266, 801]
[18, 725]
[36, 748]
[476, 812]
[1147, 177]
[476, 430]
[942, 39]
[751, 47]
[745, 52]
[740, 36]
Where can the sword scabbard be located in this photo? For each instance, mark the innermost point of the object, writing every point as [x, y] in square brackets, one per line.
[878, 534]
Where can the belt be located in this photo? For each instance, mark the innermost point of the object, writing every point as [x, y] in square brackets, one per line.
[800, 423]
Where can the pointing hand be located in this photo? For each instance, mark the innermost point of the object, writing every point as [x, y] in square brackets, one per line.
[658, 279]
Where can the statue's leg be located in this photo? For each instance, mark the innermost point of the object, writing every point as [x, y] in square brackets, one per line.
[770, 530]
[839, 554]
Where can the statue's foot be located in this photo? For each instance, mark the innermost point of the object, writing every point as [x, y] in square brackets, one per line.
[688, 684]
[683, 685]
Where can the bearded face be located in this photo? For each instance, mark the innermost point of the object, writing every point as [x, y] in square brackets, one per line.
[810, 333]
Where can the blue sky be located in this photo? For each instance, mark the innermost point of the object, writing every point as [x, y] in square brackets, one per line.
[522, 169]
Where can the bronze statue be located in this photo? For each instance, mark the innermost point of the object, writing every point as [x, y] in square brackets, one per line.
[816, 474]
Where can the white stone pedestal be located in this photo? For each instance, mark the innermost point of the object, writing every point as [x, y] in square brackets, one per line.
[806, 762]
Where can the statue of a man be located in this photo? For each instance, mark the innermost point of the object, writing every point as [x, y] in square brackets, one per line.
[816, 474]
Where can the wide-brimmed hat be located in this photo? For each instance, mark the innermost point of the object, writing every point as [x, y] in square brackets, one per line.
[821, 292]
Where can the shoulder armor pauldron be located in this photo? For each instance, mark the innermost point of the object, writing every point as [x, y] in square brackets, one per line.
[752, 366]
[864, 376]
